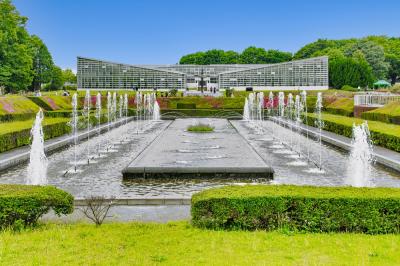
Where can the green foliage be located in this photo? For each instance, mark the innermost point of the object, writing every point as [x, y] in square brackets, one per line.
[201, 102]
[373, 54]
[21, 204]
[382, 134]
[251, 55]
[16, 134]
[68, 76]
[348, 71]
[341, 106]
[170, 113]
[348, 88]
[299, 208]
[390, 113]
[186, 106]
[15, 53]
[57, 80]
[42, 63]
[52, 102]
[200, 128]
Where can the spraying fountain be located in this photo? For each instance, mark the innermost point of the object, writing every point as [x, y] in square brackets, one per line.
[246, 115]
[319, 124]
[86, 113]
[37, 168]
[126, 103]
[98, 117]
[361, 158]
[156, 111]
[121, 106]
[303, 95]
[74, 125]
[109, 107]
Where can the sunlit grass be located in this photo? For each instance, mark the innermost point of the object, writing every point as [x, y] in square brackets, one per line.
[181, 244]
[201, 128]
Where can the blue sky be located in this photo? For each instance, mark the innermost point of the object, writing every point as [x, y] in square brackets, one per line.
[160, 32]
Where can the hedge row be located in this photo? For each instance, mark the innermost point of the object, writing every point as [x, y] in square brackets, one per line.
[381, 138]
[15, 139]
[299, 208]
[26, 204]
[201, 112]
[389, 113]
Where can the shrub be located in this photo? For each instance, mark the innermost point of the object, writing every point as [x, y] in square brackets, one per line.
[20, 136]
[302, 208]
[348, 88]
[389, 113]
[26, 204]
[186, 106]
[202, 128]
[341, 106]
[200, 112]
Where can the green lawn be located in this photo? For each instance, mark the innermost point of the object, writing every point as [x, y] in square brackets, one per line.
[181, 244]
[17, 126]
[390, 129]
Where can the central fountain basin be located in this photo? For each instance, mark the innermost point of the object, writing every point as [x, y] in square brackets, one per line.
[211, 154]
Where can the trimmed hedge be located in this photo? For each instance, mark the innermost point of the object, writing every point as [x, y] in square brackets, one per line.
[389, 113]
[186, 106]
[18, 138]
[201, 112]
[341, 106]
[299, 208]
[26, 204]
[382, 134]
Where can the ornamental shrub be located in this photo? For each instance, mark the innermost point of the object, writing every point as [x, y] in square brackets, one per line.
[298, 208]
[26, 204]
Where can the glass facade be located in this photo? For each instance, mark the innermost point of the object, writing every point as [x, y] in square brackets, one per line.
[308, 74]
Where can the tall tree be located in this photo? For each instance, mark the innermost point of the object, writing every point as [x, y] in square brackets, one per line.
[57, 80]
[69, 76]
[42, 64]
[253, 55]
[15, 57]
[349, 71]
[374, 55]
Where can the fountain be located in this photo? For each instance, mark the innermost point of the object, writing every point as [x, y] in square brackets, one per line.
[121, 106]
[246, 116]
[303, 95]
[86, 113]
[114, 107]
[319, 124]
[290, 105]
[126, 103]
[298, 107]
[109, 107]
[37, 168]
[281, 104]
[361, 158]
[156, 111]
[74, 125]
[138, 101]
[98, 117]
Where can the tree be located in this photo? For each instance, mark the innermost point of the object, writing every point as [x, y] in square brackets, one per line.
[231, 57]
[192, 59]
[15, 57]
[374, 55]
[69, 76]
[253, 55]
[276, 56]
[43, 65]
[349, 71]
[394, 67]
[57, 80]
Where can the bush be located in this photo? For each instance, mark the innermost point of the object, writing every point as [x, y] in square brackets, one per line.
[299, 208]
[341, 106]
[26, 204]
[232, 113]
[20, 137]
[389, 113]
[186, 106]
[348, 88]
[201, 128]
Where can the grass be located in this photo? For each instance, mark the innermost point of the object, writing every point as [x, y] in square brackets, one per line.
[27, 124]
[181, 244]
[376, 126]
[341, 106]
[201, 128]
[14, 104]
[390, 113]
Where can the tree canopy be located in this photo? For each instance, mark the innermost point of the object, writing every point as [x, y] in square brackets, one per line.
[25, 62]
